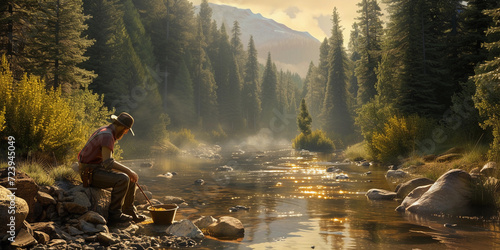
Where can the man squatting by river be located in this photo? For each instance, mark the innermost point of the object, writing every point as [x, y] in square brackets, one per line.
[98, 169]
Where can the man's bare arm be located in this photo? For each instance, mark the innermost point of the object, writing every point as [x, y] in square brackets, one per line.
[106, 154]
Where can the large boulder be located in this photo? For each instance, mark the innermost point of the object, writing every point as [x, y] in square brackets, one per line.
[204, 221]
[9, 203]
[26, 189]
[395, 174]
[489, 169]
[227, 228]
[380, 194]
[450, 194]
[403, 189]
[412, 197]
[23, 240]
[100, 199]
[185, 228]
[45, 199]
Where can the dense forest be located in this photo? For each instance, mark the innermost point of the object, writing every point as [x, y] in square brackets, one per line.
[427, 77]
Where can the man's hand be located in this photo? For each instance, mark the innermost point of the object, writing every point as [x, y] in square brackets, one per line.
[133, 176]
[106, 154]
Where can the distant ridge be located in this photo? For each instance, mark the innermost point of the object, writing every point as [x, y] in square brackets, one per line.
[290, 49]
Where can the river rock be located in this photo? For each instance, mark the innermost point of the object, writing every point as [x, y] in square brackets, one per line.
[45, 199]
[27, 189]
[57, 242]
[107, 239]
[185, 228]
[82, 199]
[100, 199]
[102, 228]
[489, 169]
[74, 231]
[395, 174]
[23, 239]
[204, 221]
[413, 196]
[41, 237]
[93, 217]
[75, 208]
[227, 227]
[10, 202]
[87, 227]
[380, 194]
[403, 189]
[450, 194]
[173, 200]
[448, 157]
[50, 228]
[140, 199]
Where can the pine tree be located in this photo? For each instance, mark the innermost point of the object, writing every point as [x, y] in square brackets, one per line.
[181, 100]
[16, 26]
[337, 119]
[205, 94]
[228, 83]
[354, 57]
[487, 82]
[304, 120]
[250, 93]
[237, 48]
[57, 47]
[368, 47]
[269, 94]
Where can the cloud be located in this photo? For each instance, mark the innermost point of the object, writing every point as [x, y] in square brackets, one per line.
[292, 11]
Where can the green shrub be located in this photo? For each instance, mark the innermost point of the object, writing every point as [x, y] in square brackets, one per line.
[46, 122]
[183, 138]
[317, 141]
[357, 152]
[399, 137]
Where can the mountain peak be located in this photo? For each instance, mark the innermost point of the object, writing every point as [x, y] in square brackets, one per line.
[290, 49]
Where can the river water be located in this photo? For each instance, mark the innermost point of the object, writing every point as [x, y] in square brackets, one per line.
[294, 203]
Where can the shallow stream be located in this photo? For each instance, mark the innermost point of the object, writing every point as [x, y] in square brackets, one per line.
[294, 203]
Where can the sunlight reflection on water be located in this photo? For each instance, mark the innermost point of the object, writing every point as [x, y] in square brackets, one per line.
[295, 203]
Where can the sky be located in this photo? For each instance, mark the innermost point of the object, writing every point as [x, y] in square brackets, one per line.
[313, 16]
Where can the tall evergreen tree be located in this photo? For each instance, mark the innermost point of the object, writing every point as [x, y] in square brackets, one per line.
[181, 100]
[205, 16]
[415, 36]
[57, 47]
[315, 92]
[368, 47]
[304, 120]
[16, 25]
[337, 119]
[237, 47]
[250, 93]
[205, 88]
[354, 57]
[487, 92]
[228, 83]
[269, 94]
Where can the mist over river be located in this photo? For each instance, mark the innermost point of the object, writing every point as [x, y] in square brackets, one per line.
[294, 203]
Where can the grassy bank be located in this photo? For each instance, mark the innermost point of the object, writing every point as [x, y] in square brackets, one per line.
[45, 175]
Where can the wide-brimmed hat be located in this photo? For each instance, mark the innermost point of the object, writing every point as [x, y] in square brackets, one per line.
[124, 119]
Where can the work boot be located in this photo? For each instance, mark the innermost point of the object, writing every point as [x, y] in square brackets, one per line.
[136, 217]
[120, 218]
